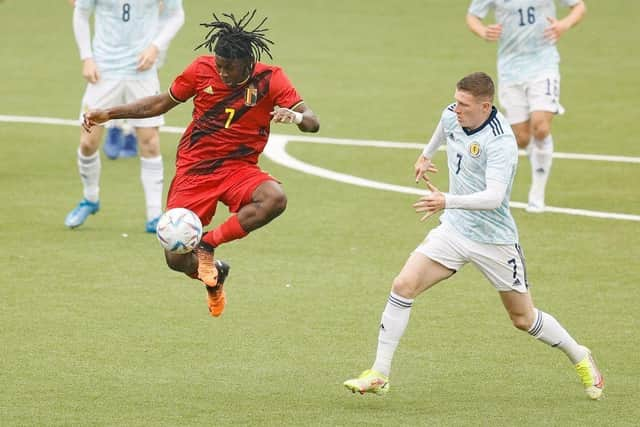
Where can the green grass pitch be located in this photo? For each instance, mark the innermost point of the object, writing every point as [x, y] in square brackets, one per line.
[96, 331]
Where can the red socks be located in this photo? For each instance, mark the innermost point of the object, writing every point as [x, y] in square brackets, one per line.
[225, 232]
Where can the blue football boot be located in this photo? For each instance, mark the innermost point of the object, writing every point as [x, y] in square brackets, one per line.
[152, 225]
[79, 214]
[130, 146]
[113, 142]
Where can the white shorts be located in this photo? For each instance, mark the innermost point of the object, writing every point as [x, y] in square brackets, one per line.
[109, 93]
[503, 265]
[518, 100]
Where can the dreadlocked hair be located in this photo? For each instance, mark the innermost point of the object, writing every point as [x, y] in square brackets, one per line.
[233, 40]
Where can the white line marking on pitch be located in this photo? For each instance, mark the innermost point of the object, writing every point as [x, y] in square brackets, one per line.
[276, 151]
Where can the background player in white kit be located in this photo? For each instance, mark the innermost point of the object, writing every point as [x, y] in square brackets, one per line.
[476, 227]
[120, 140]
[121, 68]
[528, 73]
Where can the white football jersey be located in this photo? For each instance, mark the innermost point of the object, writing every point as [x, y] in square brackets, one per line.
[523, 52]
[489, 152]
[123, 29]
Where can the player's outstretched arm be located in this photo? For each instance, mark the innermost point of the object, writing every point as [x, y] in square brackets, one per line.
[423, 162]
[150, 106]
[488, 199]
[486, 32]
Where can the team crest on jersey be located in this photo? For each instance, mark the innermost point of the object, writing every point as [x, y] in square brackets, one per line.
[474, 149]
[250, 96]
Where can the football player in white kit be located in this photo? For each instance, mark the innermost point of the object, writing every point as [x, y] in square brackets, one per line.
[476, 227]
[528, 73]
[120, 67]
[120, 140]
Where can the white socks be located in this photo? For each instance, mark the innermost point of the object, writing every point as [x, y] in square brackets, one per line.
[152, 175]
[547, 329]
[395, 318]
[89, 168]
[541, 155]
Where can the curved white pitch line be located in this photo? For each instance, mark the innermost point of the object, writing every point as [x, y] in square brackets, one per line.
[415, 146]
[276, 151]
[333, 141]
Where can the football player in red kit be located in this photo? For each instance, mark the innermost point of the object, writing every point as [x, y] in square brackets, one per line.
[235, 99]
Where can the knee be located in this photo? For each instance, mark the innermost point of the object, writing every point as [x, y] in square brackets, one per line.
[277, 204]
[150, 140]
[88, 145]
[522, 321]
[404, 287]
[149, 144]
[523, 137]
[541, 130]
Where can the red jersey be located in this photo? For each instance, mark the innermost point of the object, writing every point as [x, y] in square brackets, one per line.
[228, 122]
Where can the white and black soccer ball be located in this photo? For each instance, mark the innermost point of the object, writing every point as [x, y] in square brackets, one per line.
[179, 230]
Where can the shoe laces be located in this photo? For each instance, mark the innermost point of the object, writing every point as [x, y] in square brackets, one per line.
[86, 203]
[207, 270]
[588, 372]
[215, 293]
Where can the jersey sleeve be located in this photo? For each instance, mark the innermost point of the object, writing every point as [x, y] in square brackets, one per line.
[569, 3]
[437, 139]
[480, 8]
[502, 159]
[85, 4]
[171, 5]
[282, 91]
[439, 135]
[185, 85]
[170, 22]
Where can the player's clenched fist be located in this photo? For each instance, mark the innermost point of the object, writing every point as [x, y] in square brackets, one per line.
[92, 118]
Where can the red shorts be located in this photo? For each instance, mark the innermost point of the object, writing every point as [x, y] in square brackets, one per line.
[232, 184]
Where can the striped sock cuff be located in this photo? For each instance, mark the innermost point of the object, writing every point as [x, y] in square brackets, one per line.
[400, 302]
[537, 324]
[88, 159]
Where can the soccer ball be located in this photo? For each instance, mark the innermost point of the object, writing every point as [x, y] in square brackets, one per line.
[179, 230]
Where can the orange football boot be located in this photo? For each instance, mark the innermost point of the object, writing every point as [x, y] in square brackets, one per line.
[216, 299]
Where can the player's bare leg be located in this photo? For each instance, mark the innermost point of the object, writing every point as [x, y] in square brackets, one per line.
[547, 329]
[522, 132]
[520, 308]
[184, 263]
[89, 167]
[418, 274]
[189, 264]
[267, 203]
